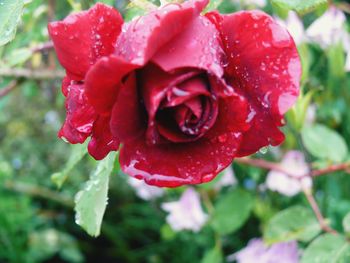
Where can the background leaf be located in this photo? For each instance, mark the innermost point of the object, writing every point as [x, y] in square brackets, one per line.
[213, 256]
[300, 6]
[91, 202]
[294, 223]
[231, 211]
[10, 15]
[324, 143]
[346, 223]
[77, 153]
[327, 248]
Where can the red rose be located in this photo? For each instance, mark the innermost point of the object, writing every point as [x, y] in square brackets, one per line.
[183, 93]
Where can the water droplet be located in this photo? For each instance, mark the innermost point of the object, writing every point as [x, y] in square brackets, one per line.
[222, 138]
[264, 150]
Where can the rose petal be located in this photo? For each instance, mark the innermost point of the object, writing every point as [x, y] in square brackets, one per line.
[102, 141]
[80, 115]
[155, 86]
[188, 89]
[128, 120]
[263, 63]
[232, 117]
[142, 37]
[197, 46]
[81, 38]
[103, 82]
[189, 163]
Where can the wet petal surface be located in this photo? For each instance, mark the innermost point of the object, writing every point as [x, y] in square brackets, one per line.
[81, 38]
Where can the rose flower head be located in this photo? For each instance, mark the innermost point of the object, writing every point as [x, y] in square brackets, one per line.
[178, 93]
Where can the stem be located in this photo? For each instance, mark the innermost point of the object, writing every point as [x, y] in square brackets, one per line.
[31, 73]
[263, 164]
[38, 191]
[275, 166]
[10, 87]
[331, 169]
[207, 202]
[321, 220]
[42, 47]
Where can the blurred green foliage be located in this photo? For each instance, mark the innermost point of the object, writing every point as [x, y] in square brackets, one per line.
[40, 174]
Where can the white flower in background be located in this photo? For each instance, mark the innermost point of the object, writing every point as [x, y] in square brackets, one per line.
[258, 3]
[328, 29]
[187, 213]
[294, 163]
[227, 178]
[294, 26]
[310, 114]
[257, 252]
[143, 190]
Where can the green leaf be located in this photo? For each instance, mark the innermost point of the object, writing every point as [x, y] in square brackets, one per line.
[91, 202]
[324, 143]
[346, 224]
[297, 115]
[18, 57]
[78, 152]
[300, 6]
[231, 211]
[133, 12]
[44, 244]
[327, 248]
[294, 223]
[10, 15]
[336, 69]
[213, 256]
[213, 5]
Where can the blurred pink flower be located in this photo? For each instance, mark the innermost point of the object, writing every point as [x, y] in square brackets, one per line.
[187, 213]
[257, 252]
[145, 191]
[227, 178]
[329, 29]
[293, 162]
[295, 27]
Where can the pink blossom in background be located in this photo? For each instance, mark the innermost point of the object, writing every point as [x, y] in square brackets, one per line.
[295, 27]
[227, 178]
[257, 252]
[293, 162]
[143, 190]
[328, 29]
[187, 213]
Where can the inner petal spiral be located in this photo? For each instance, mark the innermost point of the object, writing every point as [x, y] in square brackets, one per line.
[187, 111]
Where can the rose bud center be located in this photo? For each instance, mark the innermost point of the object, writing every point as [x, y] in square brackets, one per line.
[182, 106]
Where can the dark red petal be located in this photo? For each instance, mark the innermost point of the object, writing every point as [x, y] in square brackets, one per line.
[269, 134]
[186, 90]
[128, 120]
[80, 116]
[155, 84]
[103, 81]
[232, 117]
[172, 165]
[141, 38]
[65, 84]
[263, 63]
[81, 38]
[102, 141]
[197, 46]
